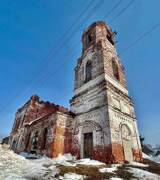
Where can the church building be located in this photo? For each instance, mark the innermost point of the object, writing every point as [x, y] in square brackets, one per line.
[101, 123]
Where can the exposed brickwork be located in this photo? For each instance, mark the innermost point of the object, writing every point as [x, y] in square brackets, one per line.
[103, 154]
[38, 116]
[117, 153]
[101, 123]
[137, 155]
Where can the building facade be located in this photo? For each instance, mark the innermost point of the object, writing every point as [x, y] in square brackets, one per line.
[101, 123]
[42, 128]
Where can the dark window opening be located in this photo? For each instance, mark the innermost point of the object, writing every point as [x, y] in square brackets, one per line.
[28, 140]
[13, 147]
[110, 39]
[88, 71]
[45, 132]
[89, 38]
[115, 70]
[35, 141]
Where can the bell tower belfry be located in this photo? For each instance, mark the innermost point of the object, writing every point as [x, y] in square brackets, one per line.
[105, 126]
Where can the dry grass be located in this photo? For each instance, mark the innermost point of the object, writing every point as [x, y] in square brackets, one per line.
[91, 172]
[122, 172]
[153, 166]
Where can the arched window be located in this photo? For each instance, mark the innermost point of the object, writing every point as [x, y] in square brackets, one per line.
[88, 72]
[115, 69]
[89, 39]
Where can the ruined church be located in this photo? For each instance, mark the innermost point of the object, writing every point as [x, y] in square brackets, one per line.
[101, 123]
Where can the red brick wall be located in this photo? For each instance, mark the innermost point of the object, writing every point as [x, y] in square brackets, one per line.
[103, 154]
[117, 153]
[137, 153]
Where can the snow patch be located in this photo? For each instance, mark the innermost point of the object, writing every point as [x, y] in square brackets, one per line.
[29, 155]
[72, 176]
[139, 164]
[65, 160]
[108, 170]
[88, 161]
[151, 157]
[142, 174]
[15, 167]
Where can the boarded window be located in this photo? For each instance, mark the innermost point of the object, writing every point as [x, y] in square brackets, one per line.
[88, 71]
[115, 69]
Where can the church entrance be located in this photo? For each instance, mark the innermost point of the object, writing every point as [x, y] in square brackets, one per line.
[88, 145]
[127, 143]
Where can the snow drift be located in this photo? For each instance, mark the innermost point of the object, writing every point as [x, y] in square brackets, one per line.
[14, 167]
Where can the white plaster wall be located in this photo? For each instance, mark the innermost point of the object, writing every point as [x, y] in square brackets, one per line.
[116, 120]
[94, 96]
[95, 121]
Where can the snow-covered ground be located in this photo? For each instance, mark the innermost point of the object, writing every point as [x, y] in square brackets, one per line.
[144, 175]
[152, 157]
[106, 170]
[88, 161]
[138, 164]
[72, 176]
[16, 167]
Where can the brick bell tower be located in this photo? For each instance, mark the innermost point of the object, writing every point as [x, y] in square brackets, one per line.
[105, 127]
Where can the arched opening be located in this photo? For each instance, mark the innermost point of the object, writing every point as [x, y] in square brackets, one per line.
[88, 71]
[127, 143]
[89, 39]
[89, 132]
[115, 69]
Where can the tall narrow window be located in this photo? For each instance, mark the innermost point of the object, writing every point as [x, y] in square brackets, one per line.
[45, 131]
[13, 147]
[28, 140]
[90, 38]
[115, 69]
[88, 72]
[109, 37]
[35, 141]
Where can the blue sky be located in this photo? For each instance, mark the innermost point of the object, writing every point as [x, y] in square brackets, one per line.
[31, 30]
